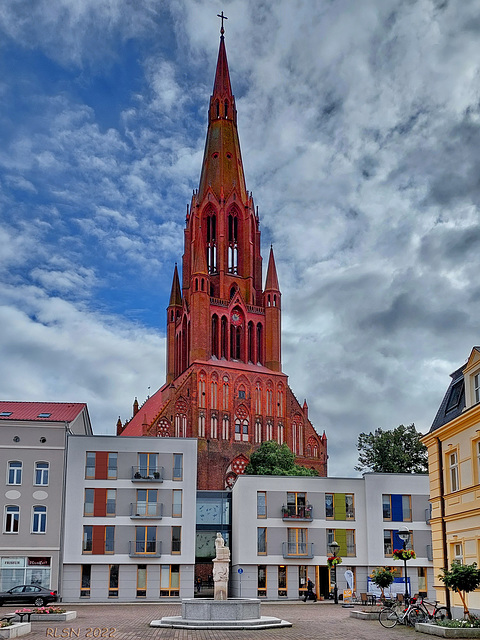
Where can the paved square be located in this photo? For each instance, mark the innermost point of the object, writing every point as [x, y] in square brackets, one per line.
[131, 622]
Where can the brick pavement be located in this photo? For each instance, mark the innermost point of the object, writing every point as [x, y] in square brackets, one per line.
[311, 621]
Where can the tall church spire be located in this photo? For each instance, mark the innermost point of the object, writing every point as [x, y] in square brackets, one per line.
[222, 168]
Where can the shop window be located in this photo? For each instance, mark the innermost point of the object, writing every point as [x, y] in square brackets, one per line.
[261, 581]
[169, 580]
[282, 581]
[141, 581]
[86, 573]
[113, 571]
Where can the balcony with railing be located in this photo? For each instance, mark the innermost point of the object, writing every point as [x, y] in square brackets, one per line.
[297, 512]
[146, 510]
[147, 474]
[297, 549]
[145, 549]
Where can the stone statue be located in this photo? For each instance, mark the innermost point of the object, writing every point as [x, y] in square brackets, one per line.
[221, 566]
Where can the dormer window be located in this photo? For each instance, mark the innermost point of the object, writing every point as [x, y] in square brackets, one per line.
[476, 387]
[456, 395]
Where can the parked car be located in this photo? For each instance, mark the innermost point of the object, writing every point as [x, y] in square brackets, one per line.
[28, 594]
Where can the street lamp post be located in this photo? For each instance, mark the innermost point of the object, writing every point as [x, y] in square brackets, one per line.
[334, 547]
[404, 534]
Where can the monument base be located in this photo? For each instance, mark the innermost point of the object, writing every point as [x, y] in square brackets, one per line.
[231, 614]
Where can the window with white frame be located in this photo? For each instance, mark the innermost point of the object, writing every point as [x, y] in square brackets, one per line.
[476, 387]
[41, 473]
[453, 466]
[14, 472]
[39, 519]
[12, 518]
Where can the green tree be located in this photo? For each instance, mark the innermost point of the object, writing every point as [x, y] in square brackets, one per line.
[397, 450]
[272, 459]
[383, 578]
[461, 577]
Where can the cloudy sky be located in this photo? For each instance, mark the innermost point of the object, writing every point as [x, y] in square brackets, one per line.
[360, 130]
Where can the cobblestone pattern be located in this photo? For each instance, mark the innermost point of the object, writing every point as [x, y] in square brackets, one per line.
[311, 621]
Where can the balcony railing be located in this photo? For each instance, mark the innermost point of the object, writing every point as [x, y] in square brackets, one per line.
[428, 514]
[146, 510]
[297, 549]
[147, 474]
[145, 549]
[292, 512]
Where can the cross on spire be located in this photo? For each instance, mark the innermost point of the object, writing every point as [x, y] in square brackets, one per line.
[220, 15]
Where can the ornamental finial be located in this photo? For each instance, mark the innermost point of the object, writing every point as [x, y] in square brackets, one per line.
[222, 17]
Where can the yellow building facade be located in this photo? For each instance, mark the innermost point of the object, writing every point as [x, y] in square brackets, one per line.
[453, 444]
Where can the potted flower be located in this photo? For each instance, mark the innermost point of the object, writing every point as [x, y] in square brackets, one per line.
[382, 577]
[332, 561]
[404, 554]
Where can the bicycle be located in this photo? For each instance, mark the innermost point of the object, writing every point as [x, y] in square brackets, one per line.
[422, 613]
[389, 616]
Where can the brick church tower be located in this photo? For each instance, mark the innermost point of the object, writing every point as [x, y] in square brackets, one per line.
[225, 384]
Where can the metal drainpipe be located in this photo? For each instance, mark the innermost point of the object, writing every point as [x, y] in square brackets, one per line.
[442, 513]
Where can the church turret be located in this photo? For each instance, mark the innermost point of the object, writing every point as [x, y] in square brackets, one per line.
[272, 302]
[199, 303]
[174, 312]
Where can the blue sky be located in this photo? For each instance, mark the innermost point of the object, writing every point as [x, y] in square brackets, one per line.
[360, 130]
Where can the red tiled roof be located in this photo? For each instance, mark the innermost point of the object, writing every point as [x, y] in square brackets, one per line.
[59, 411]
[146, 413]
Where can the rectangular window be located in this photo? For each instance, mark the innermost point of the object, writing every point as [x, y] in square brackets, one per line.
[282, 581]
[178, 466]
[387, 507]
[86, 572]
[147, 464]
[90, 464]
[145, 540]
[261, 504]
[296, 505]
[111, 505]
[297, 542]
[110, 539]
[261, 540]
[176, 539]
[422, 580]
[392, 541]
[141, 581]
[169, 580]
[146, 504]
[112, 466]
[457, 553]
[302, 580]
[87, 539]
[88, 502]
[113, 581]
[397, 507]
[12, 518]
[476, 387]
[349, 506]
[350, 539]
[261, 581]
[177, 503]
[39, 519]
[453, 464]
[41, 474]
[14, 475]
[329, 505]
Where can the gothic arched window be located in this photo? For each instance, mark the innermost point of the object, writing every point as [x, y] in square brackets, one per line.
[211, 219]
[215, 335]
[233, 241]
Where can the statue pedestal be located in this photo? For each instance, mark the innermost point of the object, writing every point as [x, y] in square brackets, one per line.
[220, 577]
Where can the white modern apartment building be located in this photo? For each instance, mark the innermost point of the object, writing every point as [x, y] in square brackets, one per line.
[282, 527]
[130, 518]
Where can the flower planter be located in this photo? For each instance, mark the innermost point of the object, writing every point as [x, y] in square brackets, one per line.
[15, 630]
[447, 632]
[364, 615]
[53, 617]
